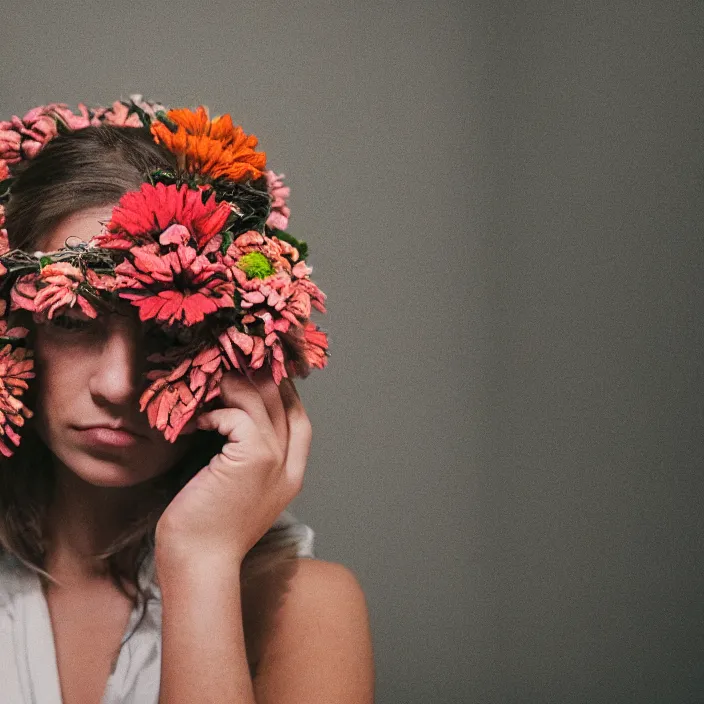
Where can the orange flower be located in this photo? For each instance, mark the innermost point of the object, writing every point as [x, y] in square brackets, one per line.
[215, 148]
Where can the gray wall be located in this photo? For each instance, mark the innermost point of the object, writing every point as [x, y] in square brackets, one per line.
[503, 202]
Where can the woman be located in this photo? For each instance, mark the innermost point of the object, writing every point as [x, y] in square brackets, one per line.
[139, 569]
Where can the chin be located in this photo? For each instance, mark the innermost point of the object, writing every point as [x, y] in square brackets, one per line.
[112, 476]
[111, 472]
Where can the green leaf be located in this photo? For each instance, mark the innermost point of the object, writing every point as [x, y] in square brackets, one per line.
[227, 240]
[44, 261]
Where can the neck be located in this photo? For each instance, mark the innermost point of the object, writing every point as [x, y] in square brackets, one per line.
[84, 520]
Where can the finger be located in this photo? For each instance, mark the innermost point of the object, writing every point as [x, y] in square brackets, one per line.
[271, 396]
[236, 391]
[234, 423]
[300, 433]
[243, 441]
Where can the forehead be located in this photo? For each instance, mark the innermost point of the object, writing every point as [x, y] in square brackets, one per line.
[84, 225]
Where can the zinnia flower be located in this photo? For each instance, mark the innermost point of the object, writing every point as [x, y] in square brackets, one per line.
[179, 286]
[4, 170]
[15, 370]
[85, 118]
[214, 148]
[12, 332]
[52, 290]
[278, 253]
[316, 345]
[149, 107]
[306, 348]
[174, 395]
[119, 116]
[4, 243]
[279, 295]
[10, 143]
[280, 212]
[142, 214]
[25, 138]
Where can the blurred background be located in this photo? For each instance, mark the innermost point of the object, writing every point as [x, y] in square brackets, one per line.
[503, 202]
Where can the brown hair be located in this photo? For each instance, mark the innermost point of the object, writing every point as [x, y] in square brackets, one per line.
[88, 168]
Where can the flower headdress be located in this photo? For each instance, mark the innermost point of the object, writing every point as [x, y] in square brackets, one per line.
[201, 251]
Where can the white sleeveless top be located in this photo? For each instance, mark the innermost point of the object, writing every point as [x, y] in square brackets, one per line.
[28, 669]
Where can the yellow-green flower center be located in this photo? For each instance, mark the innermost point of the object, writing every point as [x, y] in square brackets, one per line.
[256, 265]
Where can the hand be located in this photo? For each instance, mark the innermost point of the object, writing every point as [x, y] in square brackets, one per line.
[229, 504]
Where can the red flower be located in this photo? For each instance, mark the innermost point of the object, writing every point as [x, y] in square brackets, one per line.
[142, 214]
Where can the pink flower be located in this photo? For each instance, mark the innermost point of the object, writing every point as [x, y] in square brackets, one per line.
[244, 343]
[179, 286]
[317, 297]
[281, 254]
[174, 395]
[25, 138]
[291, 298]
[307, 348]
[277, 295]
[152, 209]
[102, 282]
[10, 142]
[316, 345]
[15, 370]
[86, 118]
[50, 291]
[280, 212]
[149, 107]
[169, 406]
[118, 116]
[4, 170]
[37, 128]
[4, 243]
[12, 332]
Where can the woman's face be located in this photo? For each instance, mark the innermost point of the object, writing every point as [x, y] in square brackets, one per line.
[89, 383]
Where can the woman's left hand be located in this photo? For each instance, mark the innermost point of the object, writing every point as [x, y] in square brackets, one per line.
[229, 504]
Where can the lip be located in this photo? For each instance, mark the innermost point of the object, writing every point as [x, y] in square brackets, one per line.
[109, 436]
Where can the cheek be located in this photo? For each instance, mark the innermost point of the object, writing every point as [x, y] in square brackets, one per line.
[62, 370]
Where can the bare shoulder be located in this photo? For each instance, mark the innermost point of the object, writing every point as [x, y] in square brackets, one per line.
[318, 647]
[317, 583]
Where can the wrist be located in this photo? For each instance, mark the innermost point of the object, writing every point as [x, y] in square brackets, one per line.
[183, 560]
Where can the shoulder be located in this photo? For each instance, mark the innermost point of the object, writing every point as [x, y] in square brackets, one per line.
[321, 583]
[319, 639]
[301, 592]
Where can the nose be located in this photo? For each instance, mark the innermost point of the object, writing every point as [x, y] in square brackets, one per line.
[115, 375]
